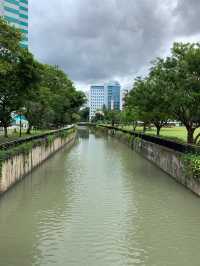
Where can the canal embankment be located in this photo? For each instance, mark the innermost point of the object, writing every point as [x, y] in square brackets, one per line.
[19, 158]
[180, 161]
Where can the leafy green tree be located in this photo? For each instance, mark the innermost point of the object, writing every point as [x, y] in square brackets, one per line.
[38, 110]
[114, 117]
[130, 116]
[84, 114]
[18, 73]
[181, 74]
[75, 117]
[65, 100]
[171, 90]
[99, 117]
[146, 98]
[9, 48]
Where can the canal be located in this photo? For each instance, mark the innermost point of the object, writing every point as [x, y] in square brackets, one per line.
[99, 204]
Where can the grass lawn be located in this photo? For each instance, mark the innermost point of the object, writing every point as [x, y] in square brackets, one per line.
[176, 133]
[15, 135]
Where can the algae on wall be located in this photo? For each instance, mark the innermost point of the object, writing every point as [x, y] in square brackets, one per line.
[15, 163]
[184, 168]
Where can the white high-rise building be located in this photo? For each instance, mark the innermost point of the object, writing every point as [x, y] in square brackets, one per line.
[97, 99]
[16, 13]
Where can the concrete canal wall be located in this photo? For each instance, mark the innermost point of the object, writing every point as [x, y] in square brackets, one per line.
[22, 159]
[169, 160]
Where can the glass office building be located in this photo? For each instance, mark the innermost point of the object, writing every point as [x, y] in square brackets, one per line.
[107, 95]
[16, 13]
[112, 100]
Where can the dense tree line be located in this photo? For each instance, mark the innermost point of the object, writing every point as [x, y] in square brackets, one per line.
[43, 93]
[171, 91]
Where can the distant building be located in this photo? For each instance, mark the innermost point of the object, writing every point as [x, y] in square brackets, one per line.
[124, 93]
[112, 95]
[16, 13]
[107, 95]
[97, 99]
[17, 120]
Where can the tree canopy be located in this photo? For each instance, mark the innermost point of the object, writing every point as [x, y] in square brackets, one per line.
[171, 90]
[44, 92]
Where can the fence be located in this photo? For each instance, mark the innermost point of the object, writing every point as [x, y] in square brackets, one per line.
[10, 144]
[180, 147]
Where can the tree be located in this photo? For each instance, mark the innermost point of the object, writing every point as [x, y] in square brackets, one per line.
[9, 48]
[65, 100]
[171, 90]
[146, 99]
[181, 74]
[18, 73]
[84, 114]
[99, 116]
[75, 117]
[38, 110]
[130, 115]
[113, 116]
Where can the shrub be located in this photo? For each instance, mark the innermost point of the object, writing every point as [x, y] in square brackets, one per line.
[192, 165]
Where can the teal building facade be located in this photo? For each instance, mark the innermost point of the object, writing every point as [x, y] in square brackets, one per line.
[16, 13]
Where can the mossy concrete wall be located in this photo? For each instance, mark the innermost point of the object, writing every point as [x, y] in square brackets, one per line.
[17, 167]
[170, 161]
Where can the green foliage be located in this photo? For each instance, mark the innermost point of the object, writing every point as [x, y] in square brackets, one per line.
[45, 92]
[113, 116]
[184, 77]
[171, 91]
[18, 73]
[21, 149]
[147, 101]
[26, 147]
[9, 40]
[99, 117]
[57, 102]
[84, 114]
[65, 133]
[192, 165]
[137, 140]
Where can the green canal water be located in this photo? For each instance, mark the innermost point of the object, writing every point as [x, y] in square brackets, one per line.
[99, 204]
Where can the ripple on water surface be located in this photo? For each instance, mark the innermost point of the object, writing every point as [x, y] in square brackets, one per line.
[99, 204]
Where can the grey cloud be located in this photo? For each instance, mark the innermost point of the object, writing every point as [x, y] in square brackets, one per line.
[187, 13]
[95, 40]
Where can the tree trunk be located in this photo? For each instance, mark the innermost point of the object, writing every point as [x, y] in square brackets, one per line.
[5, 131]
[134, 125]
[190, 135]
[29, 129]
[158, 128]
[144, 128]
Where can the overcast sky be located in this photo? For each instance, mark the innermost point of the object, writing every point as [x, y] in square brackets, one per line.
[100, 40]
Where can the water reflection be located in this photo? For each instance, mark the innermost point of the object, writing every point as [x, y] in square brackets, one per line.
[83, 132]
[99, 204]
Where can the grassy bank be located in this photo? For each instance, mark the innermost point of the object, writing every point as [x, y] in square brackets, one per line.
[174, 133]
[15, 135]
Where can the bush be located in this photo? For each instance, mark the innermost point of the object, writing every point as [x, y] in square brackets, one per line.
[26, 147]
[192, 165]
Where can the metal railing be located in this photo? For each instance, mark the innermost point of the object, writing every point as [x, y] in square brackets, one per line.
[13, 143]
[175, 145]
